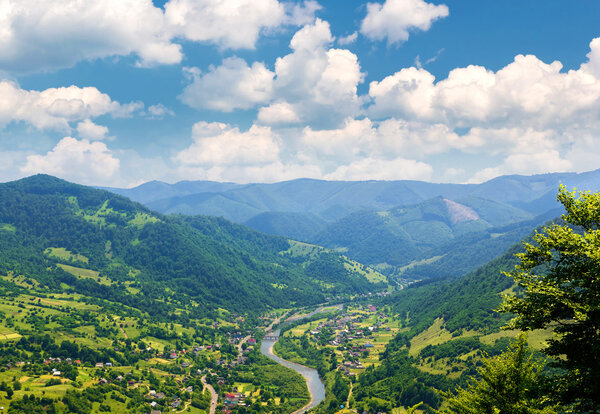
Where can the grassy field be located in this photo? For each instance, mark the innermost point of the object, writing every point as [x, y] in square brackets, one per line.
[82, 273]
[64, 254]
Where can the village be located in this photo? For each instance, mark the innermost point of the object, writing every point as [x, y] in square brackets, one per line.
[356, 335]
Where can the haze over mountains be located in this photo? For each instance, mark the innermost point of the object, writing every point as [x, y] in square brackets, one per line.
[412, 229]
[332, 200]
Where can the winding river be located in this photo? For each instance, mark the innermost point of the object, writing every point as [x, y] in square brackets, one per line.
[314, 383]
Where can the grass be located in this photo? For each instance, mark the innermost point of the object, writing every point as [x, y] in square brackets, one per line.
[63, 254]
[82, 273]
[434, 335]
[415, 263]
[141, 219]
[536, 339]
[302, 249]
[372, 275]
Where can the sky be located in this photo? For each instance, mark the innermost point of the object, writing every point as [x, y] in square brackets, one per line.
[120, 92]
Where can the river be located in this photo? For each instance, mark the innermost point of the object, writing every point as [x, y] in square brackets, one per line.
[314, 383]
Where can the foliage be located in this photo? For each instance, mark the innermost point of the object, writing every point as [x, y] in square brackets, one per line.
[506, 384]
[560, 276]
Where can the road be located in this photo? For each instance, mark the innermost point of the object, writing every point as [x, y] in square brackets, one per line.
[242, 342]
[214, 397]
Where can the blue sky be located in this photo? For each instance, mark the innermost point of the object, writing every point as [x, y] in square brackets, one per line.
[120, 92]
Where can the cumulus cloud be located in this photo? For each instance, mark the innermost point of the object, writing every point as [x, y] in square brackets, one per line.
[42, 35]
[55, 108]
[302, 13]
[82, 161]
[88, 130]
[220, 144]
[222, 152]
[233, 85]
[230, 24]
[526, 92]
[528, 109]
[394, 19]
[48, 34]
[378, 169]
[278, 113]
[319, 83]
[314, 83]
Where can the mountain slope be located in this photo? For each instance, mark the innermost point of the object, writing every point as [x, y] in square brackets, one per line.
[75, 238]
[298, 226]
[404, 234]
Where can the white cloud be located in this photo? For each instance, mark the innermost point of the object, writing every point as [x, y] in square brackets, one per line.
[218, 144]
[348, 40]
[43, 35]
[222, 152]
[233, 85]
[278, 113]
[314, 83]
[55, 108]
[318, 82]
[302, 13]
[88, 130]
[394, 19]
[378, 169]
[159, 111]
[234, 24]
[526, 93]
[76, 160]
[529, 163]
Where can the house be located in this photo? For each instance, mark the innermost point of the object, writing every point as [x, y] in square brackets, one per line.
[173, 355]
[153, 404]
[99, 365]
[372, 308]
[155, 412]
[252, 341]
[103, 381]
[368, 345]
[159, 395]
[108, 364]
[131, 383]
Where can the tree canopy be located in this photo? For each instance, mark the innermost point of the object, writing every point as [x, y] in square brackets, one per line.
[560, 279]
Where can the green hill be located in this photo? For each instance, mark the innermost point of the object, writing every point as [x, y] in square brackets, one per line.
[403, 235]
[206, 261]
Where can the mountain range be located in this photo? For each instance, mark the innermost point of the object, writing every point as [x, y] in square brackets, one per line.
[408, 229]
[332, 200]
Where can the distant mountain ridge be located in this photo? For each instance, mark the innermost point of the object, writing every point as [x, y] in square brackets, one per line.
[332, 200]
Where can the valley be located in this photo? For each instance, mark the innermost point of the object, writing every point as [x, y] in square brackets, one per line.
[107, 306]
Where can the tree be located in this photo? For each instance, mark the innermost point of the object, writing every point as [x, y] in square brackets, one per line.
[560, 278]
[507, 384]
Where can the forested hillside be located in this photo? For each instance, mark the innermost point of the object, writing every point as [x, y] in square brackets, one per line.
[51, 228]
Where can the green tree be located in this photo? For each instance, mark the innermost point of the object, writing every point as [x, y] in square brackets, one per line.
[560, 278]
[507, 384]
